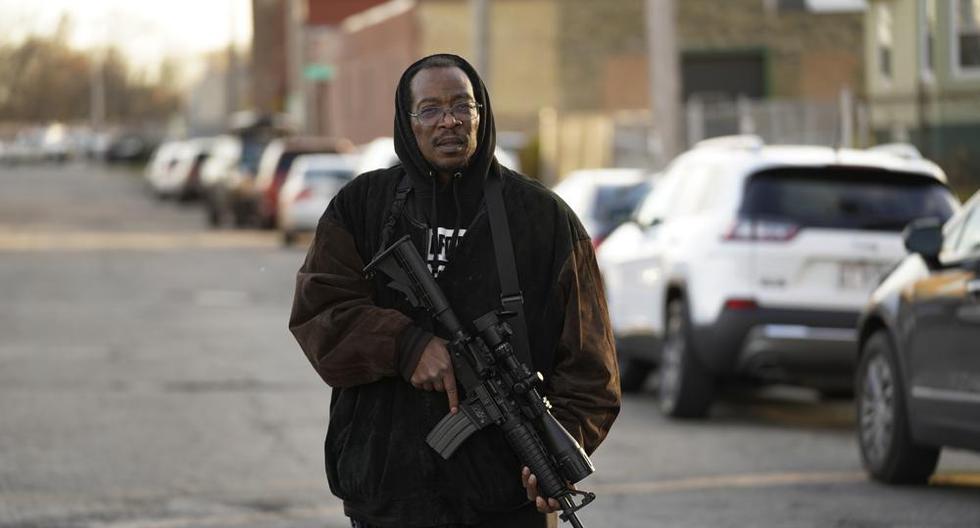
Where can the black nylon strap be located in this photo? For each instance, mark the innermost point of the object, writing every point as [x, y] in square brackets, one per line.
[510, 289]
[401, 196]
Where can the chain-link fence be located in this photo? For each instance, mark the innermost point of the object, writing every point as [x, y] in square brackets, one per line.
[945, 129]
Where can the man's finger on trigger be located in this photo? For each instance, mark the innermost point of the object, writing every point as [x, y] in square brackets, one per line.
[450, 384]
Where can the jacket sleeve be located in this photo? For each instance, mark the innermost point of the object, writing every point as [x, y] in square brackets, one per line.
[584, 385]
[348, 339]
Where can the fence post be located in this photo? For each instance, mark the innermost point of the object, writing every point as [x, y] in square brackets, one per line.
[695, 120]
[746, 124]
[846, 137]
[548, 145]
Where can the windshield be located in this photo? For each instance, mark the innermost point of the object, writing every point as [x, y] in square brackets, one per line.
[846, 198]
[615, 203]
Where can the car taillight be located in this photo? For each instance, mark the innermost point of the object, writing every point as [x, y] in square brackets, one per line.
[741, 304]
[744, 229]
[305, 194]
[596, 241]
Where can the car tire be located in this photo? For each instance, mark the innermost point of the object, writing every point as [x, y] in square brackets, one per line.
[213, 215]
[888, 452]
[685, 387]
[633, 373]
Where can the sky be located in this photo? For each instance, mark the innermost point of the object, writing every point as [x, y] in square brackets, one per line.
[146, 30]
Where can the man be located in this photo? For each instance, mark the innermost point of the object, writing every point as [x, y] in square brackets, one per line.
[391, 374]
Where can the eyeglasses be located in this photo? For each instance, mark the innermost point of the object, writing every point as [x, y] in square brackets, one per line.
[462, 112]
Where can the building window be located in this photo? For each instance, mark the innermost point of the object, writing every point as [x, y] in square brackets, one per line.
[884, 38]
[927, 16]
[967, 36]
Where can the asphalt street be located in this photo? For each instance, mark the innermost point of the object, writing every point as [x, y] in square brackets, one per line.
[148, 380]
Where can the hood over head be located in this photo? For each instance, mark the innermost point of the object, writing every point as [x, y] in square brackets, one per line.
[415, 164]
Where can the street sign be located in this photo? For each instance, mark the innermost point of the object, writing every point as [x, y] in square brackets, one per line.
[318, 72]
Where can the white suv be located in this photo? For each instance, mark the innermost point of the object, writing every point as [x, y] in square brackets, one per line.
[753, 261]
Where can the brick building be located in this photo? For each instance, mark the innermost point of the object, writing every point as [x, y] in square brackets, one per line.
[293, 48]
[380, 43]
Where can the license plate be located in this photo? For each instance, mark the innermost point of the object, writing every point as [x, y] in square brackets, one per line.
[859, 275]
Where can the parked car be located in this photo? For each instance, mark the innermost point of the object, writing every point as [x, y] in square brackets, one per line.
[313, 180]
[277, 158]
[224, 158]
[229, 181]
[175, 169]
[161, 162]
[379, 153]
[603, 198]
[918, 380]
[753, 262]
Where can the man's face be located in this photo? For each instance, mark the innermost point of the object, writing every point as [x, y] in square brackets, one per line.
[449, 143]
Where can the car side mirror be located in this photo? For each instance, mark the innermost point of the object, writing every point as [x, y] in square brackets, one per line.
[925, 237]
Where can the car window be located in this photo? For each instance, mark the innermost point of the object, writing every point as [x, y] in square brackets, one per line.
[613, 204]
[846, 198]
[286, 160]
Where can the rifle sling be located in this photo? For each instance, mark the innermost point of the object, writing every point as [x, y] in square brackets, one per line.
[510, 289]
[511, 296]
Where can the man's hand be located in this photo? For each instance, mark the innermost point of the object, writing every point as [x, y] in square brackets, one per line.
[531, 486]
[435, 372]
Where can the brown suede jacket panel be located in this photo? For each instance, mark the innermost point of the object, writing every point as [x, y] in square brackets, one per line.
[348, 339]
[584, 387]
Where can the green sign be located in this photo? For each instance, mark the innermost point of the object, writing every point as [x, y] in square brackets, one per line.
[318, 72]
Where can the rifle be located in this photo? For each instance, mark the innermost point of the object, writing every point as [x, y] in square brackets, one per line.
[497, 387]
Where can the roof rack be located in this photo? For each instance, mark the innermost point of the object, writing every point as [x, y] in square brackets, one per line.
[738, 141]
[901, 150]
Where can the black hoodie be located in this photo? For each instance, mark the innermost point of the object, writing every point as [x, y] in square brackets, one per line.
[365, 341]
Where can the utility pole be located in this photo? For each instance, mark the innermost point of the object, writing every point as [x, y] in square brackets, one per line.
[97, 92]
[231, 78]
[664, 70]
[481, 37]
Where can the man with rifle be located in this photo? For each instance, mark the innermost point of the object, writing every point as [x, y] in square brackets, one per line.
[434, 422]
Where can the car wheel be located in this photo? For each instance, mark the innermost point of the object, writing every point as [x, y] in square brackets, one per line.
[213, 213]
[888, 452]
[685, 387]
[633, 373]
